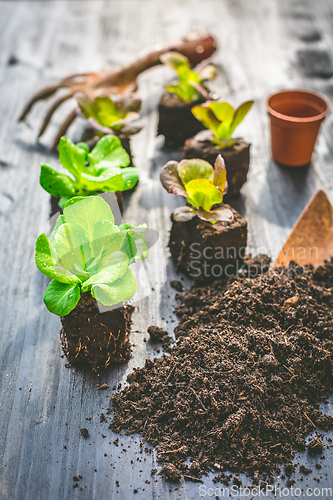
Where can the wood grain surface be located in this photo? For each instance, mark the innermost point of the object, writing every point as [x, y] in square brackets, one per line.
[264, 45]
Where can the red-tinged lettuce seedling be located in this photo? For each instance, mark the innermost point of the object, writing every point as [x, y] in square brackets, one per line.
[221, 119]
[111, 114]
[202, 186]
[190, 86]
[88, 252]
[101, 170]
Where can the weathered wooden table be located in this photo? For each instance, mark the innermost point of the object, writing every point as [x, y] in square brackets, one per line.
[264, 45]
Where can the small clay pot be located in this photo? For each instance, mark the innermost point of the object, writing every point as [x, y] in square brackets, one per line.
[295, 116]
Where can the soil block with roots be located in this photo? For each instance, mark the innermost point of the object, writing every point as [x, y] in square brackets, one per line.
[236, 157]
[93, 338]
[176, 121]
[208, 250]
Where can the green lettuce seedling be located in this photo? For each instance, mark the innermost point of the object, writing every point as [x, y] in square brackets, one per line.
[111, 114]
[221, 119]
[88, 252]
[101, 170]
[202, 186]
[190, 86]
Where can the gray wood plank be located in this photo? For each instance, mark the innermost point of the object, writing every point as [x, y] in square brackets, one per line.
[43, 404]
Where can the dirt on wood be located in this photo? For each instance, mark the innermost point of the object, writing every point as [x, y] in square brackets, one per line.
[241, 389]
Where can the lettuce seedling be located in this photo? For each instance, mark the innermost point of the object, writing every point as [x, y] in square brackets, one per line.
[190, 86]
[221, 119]
[111, 114]
[202, 185]
[101, 170]
[87, 251]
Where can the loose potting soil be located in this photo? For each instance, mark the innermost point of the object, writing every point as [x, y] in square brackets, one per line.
[241, 389]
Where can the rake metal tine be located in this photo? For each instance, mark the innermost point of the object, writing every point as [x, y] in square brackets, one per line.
[52, 109]
[64, 127]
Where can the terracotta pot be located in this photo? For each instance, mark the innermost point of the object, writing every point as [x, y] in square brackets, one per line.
[295, 117]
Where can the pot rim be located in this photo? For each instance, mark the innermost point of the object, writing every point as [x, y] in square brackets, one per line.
[296, 119]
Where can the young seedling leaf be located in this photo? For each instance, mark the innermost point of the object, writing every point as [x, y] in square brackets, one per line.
[109, 153]
[240, 114]
[189, 170]
[183, 214]
[203, 193]
[55, 183]
[48, 264]
[61, 298]
[221, 119]
[189, 88]
[73, 158]
[115, 267]
[220, 173]
[114, 293]
[206, 116]
[218, 214]
[170, 179]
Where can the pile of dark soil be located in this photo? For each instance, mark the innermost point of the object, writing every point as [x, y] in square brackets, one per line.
[94, 338]
[241, 389]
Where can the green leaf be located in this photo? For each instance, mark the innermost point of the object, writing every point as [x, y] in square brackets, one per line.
[83, 217]
[59, 222]
[75, 199]
[48, 263]
[223, 111]
[220, 173]
[218, 214]
[55, 183]
[109, 153]
[203, 193]
[189, 170]
[240, 114]
[170, 179]
[206, 116]
[115, 267]
[119, 291]
[73, 158]
[61, 298]
[109, 112]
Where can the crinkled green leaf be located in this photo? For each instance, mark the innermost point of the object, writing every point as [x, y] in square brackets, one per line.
[48, 264]
[203, 193]
[55, 183]
[84, 216]
[119, 291]
[89, 250]
[189, 170]
[115, 267]
[108, 153]
[61, 298]
[73, 158]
